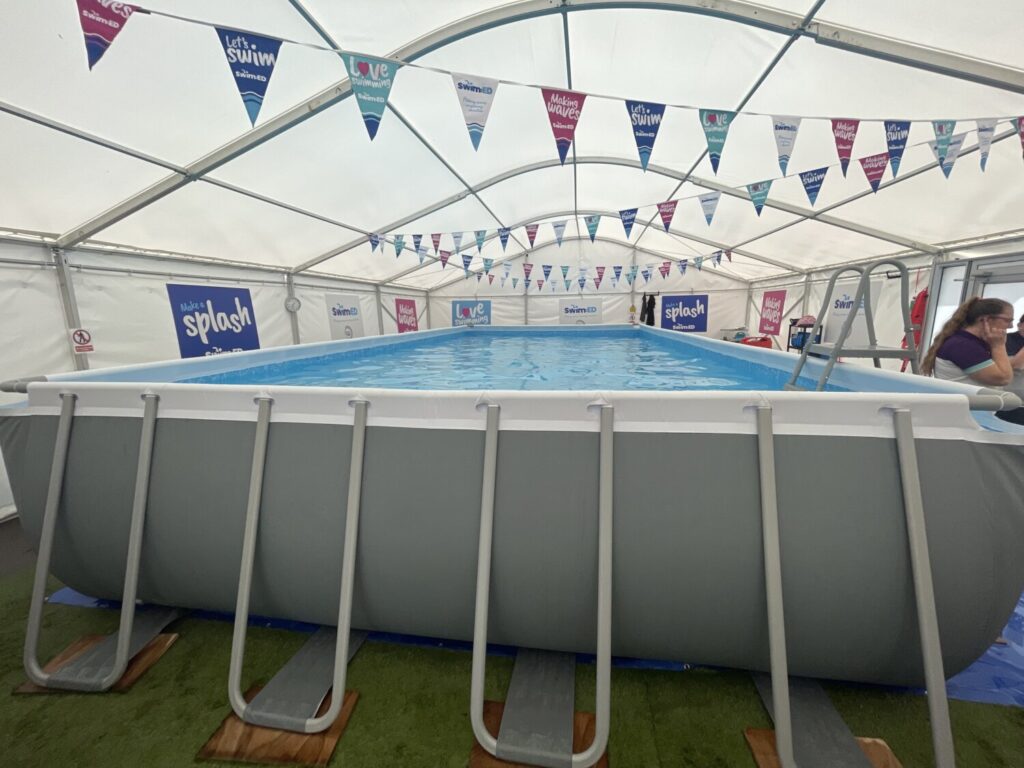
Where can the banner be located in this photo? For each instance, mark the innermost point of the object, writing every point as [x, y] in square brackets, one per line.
[399, 245]
[527, 269]
[628, 216]
[785, 138]
[565, 271]
[481, 235]
[471, 312]
[488, 263]
[758, 192]
[773, 304]
[592, 222]
[101, 22]
[457, 241]
[845, 133]
[956, 142]
[563, 109]
[490, 279]
[943, 133]
[841, 307]
[416, 240]
[812, 182]
[580, 311]
[698, 261]
[467, 259]
[664, 269]
[251, 59]
[445, 255]
[685, 313]
[515, 282]
[559, 227]
[708, 204]
[531, 233]
[421, 251]
[567, 284]
[503, 233]
[406, 316]
[475, 96]
[540, 285]
[896, 133]
[210, 320]
[716, 130]
[374, 241]
[617, 271]
[667, 210]
[874, 167]
[436, 240]
[682, 266]
[371, 80]
[546, 269]
[599, 277]
[986, 130]
[646, 274]
[344, 316]
[646, 119]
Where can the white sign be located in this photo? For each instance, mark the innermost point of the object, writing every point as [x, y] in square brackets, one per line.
[839, 310]
[345, 315]
[81, 340]
[580, 311]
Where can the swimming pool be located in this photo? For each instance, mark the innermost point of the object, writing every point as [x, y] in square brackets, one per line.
[689, 561]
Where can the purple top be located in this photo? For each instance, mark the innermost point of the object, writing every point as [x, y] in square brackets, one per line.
[966, 351]
[1014, 342]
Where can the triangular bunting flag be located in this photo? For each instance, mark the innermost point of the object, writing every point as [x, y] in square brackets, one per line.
[646, 119]
[565, 271]
[667, 211]
[374, 241]
[708, 204]
[503, 279]
[628, 216]
[785, 138]
[1019, 124]
[399, 245]
[681, 264]
[758, 192]
[559, 227]
[475, 96]
[563, 109]
[445, 255]
[422, 253]
[592, 222]
[646, 274]
[531, 233]
[986, 130]
[416, 240]
[481, 235]
[488, 263]
[845, 133]
[506, 268]
[599, 277]
[956, 142]
[490, 279]
[436, 240]
[546, 269]
[716, 130]
[717, 261]
[631, 274]
[617, 271]
[567, 284]
[251, 59]
[457, 241]
[479, 276]
[812, 182]
[503, 233]
[874, 167]
[665, 267]
[371, 80]
[515, 283]
[582, 281]
[728, 255]
[896, 133]
[943, 133]
[527, 269]
[102, 22]
[540, 284]
[467, 259]
[697, 262]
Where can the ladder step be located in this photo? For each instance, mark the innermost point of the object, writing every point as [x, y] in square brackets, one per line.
[894, 352]
[301, 685]
[97, 662]
[820, 735]
[536, 727]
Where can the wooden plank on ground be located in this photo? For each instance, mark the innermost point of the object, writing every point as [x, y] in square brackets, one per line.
[583, 727]
[762, 745]
[240, 742]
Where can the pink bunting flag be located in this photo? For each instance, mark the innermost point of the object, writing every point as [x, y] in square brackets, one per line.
[445, 255]
[874, 166]
[531, 233]
[667, 211]
[101, 22]
[599, 278]
[1019, 122]
[664, 268]
[527, 269]
[540, 283]
[728, 255]
[490, 279]
[845, 133]
[563, 109]
[436, 240]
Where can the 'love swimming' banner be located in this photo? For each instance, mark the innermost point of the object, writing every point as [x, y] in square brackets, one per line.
[371, 80]
[716, 131]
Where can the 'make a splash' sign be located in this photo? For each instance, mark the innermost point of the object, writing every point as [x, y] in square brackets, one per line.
[210, 320]
[685, 313]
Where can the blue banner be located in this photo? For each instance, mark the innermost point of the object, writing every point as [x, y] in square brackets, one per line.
[646, 119]
[371, 80]
[252, 59]
[812, 181]
[210, 320]
[685, 313]
[471, 312]
[896, 133]
[628, 216]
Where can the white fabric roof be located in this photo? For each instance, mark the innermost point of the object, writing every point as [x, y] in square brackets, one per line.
[83, 149]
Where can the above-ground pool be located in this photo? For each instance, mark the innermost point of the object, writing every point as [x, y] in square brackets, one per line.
[689, 572]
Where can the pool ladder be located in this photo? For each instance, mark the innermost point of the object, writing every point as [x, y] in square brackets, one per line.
[861, 298]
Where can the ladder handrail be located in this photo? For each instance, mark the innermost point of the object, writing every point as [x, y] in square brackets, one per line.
[238, 702]
[54, 493]
[597, 748]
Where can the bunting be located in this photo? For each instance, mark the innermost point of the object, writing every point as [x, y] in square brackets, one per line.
[986, 130]
[488, 263]
[592, 222]
[628, 216]
[665, 267]
[697, 262]
[475, 97]
[646, 274]
[708, 204]
[102, 22]
[599, 277]
[1019, 125]
[531, 233]
[563, 108]
[527, 269]
[490, 279]
[416, 240]
[716, 130]
[251, 59]
[786, 129]
[717, 259]
[374, 241]
[582, 280]
[646, 119]
[896, 133]
[515, 282]
[503, 279]
[617, 271]
[559, 227]
[445, 255]
[467, 259]
[758, 192]
[479, 276]
[728, 255]
[845, 133]
[812, 182]
[681, 264]
[503, 233]
[546, 269]
[943, 133]
[540, 284]
[631, 275]
[956, 142]
[421, 251]
[507, 268]
[874, 167]
[436, 240]
[565, 272]
[567, 284]
[371, 80]
[481, 235]
[667, 210]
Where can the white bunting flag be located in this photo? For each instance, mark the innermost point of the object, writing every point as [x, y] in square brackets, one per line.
[786, 129]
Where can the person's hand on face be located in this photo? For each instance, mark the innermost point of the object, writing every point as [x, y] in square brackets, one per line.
[994, 329]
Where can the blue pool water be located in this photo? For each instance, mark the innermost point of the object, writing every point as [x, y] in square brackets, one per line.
[519, 360]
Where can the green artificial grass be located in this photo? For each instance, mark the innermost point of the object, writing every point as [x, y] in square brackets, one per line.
[413, 708]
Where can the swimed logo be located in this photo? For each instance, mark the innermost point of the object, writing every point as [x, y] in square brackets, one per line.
[471, 313]
[210, 320]
[685, 313]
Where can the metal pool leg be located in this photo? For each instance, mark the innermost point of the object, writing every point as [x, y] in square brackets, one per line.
[924, 592]
[103, 665]
[773, 583]
[277, 712]
[597, 748]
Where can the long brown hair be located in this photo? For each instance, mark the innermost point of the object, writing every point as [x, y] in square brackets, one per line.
[967, 313]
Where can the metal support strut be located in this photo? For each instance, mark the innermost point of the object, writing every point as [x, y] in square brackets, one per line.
[597, 748]
[276, 713]
[102, 666]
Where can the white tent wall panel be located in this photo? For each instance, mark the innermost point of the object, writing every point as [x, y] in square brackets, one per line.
[314, 322]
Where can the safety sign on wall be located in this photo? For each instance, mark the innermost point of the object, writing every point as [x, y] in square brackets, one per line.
[81, 340]
[210, 320]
